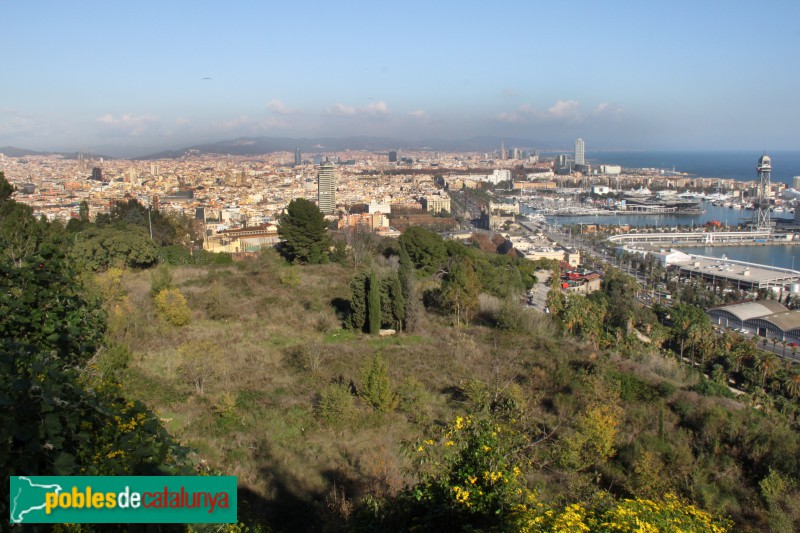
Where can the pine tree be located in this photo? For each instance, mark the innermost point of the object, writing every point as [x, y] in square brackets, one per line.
[304, 232]
[374, 304]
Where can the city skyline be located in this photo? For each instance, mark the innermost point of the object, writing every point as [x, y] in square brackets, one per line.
[150, 77]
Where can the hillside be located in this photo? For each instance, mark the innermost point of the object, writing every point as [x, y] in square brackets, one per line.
[269, 336]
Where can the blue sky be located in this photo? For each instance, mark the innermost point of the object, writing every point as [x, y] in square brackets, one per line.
[671, 75]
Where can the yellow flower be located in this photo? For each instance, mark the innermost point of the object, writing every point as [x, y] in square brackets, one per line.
[449, 443]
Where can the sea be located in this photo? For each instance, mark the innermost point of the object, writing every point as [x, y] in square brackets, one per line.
[738, 165]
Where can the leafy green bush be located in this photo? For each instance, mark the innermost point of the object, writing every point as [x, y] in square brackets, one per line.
[376, 389]
[175, 255]
[112, 360]
[289, 277]
[706, 387]
[172, 308]
[335, 405]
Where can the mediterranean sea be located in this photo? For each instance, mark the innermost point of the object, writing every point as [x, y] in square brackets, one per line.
[739, 165]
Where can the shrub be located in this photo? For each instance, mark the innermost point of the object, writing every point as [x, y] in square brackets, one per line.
[290, 278]
[305, 357]
[411, 399]
[218, 302]
[112, 360]
[376, 389]
[201, 363]
[161, 279]
[172, 308]
[335, 405]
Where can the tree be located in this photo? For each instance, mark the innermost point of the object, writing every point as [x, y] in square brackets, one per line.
[42, 305]
[83, 211]
[304, 232]
[374, 304]
[408, 282]
[201, 363]
[460, 288]
[690, 325]
[6, 189]
[620, 289]
[393, 305]
[425, 248]
[792, 384]
[361, 242]
[376, 389]
[172, 308]
[99, 248]
[132, 212]
[358, 302]
[766, 364]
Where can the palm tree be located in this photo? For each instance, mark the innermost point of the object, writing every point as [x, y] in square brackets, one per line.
[792, 384]
[766, 363]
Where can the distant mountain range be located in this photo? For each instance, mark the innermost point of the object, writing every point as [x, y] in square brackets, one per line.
[10, 151]
[268, 145]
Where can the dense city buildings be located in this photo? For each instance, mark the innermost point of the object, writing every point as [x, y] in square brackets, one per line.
[228, 192]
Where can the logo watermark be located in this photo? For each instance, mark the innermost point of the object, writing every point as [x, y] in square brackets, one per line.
[123, 499]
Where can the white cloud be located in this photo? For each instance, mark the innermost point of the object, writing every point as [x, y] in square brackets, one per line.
[419, 114]
[373, 109]
[569, 109]
[341, 110]
[128, 124]
[279, 108]
[562, 111]
[377, 108]
[180, 121]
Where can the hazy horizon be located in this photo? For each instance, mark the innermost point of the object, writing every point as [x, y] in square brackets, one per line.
[146, 77]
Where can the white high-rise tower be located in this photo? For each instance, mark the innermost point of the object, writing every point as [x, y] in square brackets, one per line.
[579, 152]
[326, 188]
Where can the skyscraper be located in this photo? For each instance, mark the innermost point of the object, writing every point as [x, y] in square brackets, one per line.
[326, 188]
[392, 156]
[579, 152]
[298, 158]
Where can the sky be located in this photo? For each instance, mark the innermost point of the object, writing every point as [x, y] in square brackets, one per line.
[698, 74]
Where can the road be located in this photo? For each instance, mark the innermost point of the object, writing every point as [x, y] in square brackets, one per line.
[538, 293]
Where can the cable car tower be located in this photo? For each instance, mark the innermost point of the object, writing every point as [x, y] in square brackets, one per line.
[761, 203]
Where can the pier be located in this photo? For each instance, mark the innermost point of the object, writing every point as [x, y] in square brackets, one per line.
[705, 238]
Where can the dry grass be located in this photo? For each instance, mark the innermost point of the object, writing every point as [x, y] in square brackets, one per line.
[256, 418]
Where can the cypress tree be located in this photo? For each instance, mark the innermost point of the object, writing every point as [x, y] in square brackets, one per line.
[407, 274]
[358, 302]
[374, 304]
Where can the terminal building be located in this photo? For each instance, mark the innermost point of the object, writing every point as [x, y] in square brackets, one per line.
[765, 318]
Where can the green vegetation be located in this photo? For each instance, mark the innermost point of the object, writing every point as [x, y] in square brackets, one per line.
[62, 411]
[304, 232]
[477, 415]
